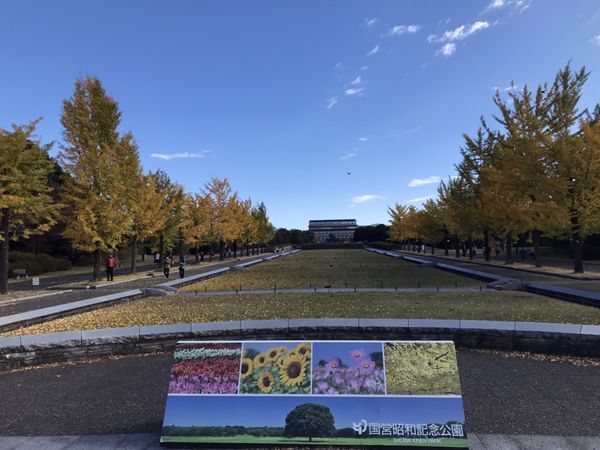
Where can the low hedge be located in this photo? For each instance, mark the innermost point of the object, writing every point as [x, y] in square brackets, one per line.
[36, 263]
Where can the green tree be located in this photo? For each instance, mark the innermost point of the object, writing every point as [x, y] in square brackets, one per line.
[96, 189]
[265, 231]
[26, 204]
[429, 224]
[311, 420]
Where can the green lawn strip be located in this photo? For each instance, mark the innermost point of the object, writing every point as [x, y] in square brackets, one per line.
[249, 440]
[335, 268]
[494, 305]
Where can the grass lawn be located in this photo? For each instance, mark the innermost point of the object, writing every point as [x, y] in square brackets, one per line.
[487, 305]
[270, 440]
[335, 268]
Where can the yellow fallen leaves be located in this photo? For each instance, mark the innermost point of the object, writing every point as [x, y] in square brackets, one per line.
[494, 305]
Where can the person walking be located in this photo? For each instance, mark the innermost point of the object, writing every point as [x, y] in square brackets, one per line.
[168, 261]
[111, 263]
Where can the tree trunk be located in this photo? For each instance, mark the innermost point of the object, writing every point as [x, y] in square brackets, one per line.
[221, 250]
[432, 249]
[133, 253]
[446, 246]
[486, 243]
[509, 249]
[161, 251]
[97, 257]
[235, 248]
[537, 251]
[457, 247]
[470, 244]
[4, 229]
[197, 254]
[576, 245]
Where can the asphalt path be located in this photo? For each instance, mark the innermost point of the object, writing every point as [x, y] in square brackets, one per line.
[19, 306]
[525, 277]
[502, 395]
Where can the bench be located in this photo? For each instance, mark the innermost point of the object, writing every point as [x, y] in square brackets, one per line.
[20, 273]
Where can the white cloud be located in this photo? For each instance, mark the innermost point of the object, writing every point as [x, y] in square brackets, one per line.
[178, 155]
[363, 139]
[511, 88]
[447, 49]
[399, 30]
[354, 91]
[356, 82]
[363, 68]
[595, 40]
[331, 102]
[370, 21]
[518, 5]
[374, 50]
[418, 182]
[420, 199]
[339, 66]
[365, 198]
[460, 33]
[348, 156]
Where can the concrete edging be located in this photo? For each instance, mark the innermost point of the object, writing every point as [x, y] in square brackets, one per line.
[552, 338]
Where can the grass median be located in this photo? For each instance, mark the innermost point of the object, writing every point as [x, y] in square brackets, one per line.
[494, 305]
[334, 268]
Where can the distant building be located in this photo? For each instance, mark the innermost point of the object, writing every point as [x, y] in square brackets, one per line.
[341, 229]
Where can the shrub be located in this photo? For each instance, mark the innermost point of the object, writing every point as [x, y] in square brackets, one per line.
[36, 263]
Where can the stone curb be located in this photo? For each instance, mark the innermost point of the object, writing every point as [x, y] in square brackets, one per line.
[552, 338]
[52, 312]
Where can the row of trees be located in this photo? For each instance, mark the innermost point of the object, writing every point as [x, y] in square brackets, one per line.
[537, 172]
[104, 198]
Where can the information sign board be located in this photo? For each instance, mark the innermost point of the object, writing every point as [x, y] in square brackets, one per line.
[330, 393]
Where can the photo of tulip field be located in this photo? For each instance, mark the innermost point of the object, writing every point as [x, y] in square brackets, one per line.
[205, 368]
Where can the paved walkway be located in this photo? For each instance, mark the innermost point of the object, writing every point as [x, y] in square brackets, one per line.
[502, 394]
[525, 277]
[139, 441]
[19, 306]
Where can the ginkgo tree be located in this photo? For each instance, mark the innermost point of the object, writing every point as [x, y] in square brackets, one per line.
[93, 154]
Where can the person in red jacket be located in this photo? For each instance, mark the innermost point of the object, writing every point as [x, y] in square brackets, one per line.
[111, 263]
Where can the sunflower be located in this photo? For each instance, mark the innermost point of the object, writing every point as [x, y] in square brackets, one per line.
[247, 367]
[303, 349]
[273, 353]
[293, 370]
[260, 360]
[265, 382]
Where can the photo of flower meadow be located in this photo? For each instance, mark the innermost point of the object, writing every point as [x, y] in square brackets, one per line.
[421, 368]
[205, 368]
[348, 368]
[276, 368]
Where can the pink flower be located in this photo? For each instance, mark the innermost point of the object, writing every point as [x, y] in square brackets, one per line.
[366, 366]
[357, 354]
[333, 365]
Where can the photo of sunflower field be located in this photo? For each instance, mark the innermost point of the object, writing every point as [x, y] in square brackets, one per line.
[428, 368]
[205, 368]
[276, 368]
[348, 368]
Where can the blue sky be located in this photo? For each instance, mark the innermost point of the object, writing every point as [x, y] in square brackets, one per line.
[259, 411]
[285, 98]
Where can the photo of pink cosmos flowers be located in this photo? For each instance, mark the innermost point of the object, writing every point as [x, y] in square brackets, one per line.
[348, 368]
[205, 368]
